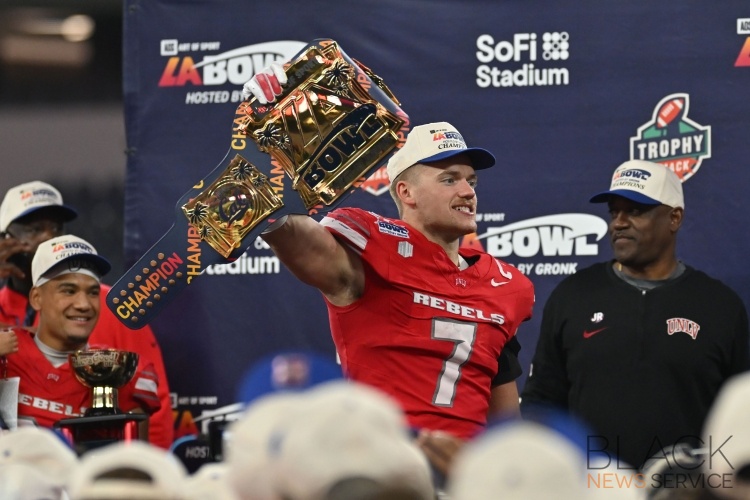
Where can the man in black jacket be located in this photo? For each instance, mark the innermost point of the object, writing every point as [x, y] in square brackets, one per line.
[638, 347]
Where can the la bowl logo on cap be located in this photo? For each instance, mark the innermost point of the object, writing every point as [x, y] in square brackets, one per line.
[449, 139]
[38, 193]
[673, 139]
[440, 136]
[74, 247]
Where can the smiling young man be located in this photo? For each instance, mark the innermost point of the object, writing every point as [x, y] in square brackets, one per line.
[66, 273]
[639, 346]
[411, 313]
[34, 212]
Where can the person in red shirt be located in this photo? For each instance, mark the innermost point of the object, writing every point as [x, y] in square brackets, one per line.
[66, 272]
[412, 313]
[30, 214]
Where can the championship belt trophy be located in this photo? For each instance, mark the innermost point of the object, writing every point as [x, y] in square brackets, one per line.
[334, 124]
[104, 371]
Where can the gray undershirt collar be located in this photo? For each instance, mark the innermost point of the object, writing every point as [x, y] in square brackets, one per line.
[462, 263]
[650, 284]
[57, 358]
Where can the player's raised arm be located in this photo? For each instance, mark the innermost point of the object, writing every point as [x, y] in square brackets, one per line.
[317, 258]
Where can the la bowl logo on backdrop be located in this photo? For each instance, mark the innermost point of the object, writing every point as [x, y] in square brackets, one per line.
[559, 235]
[513, 63]
[673, 139]
[743, 28]
[234, 67]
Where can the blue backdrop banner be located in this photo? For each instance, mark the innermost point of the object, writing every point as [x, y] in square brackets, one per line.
[560, 93]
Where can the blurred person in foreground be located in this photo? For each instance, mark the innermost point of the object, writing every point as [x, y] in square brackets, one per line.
[336, 440]
[133, 470]
[726, 438]
[35, 464]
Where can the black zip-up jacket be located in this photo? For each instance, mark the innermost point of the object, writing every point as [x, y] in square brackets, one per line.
[641, 368]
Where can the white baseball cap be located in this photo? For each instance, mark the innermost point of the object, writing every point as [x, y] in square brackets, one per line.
[210, 483]
[66, 254]
[128, 469]
[29, 197]
[249, 443]
[519, 461]
[434, 142]
[349, 432]
[644, 182]
[40, 449]
[726, 429]
[24, 482]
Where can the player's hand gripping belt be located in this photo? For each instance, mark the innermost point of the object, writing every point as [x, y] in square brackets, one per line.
[266, 85]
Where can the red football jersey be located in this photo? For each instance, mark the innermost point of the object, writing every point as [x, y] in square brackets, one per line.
[424, 331]
[48, 394]
[12, 307]
[110, 332]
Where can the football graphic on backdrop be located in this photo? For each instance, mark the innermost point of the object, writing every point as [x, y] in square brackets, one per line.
[671, 110]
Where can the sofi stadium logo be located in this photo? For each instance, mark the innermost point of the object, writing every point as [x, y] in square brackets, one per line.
[526, 60]
[551, 236]
[673, 139]
[258, 259]
[182, 67]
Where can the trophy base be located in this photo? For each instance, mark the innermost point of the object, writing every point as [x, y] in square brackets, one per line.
[91, 432]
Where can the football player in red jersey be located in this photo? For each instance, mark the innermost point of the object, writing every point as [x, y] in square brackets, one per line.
[30, 214]
[65, 274]
[411, 313]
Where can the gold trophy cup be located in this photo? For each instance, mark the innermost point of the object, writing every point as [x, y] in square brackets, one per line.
[104, 371]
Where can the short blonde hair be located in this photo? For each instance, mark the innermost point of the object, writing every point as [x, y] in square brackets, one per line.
[406, 175]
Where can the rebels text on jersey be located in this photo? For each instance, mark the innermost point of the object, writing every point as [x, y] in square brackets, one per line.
[109, 332]
[424, 331]
[47, 394]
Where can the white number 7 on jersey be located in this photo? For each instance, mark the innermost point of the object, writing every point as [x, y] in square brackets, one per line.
[463, 335]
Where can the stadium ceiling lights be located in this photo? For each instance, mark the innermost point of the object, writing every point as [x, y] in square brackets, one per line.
[45, 37]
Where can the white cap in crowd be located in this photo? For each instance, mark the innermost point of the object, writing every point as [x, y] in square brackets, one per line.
[434, 142]
[368, 401]
[40, 448]
[35, 460]
[644, 182]
[519, 461]
[209, 483]
[726, 434]
[663, 469]
[66, 254]
[26, 198]
[23, 482]
[250, 443]
[349, 431]
[134, 470]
